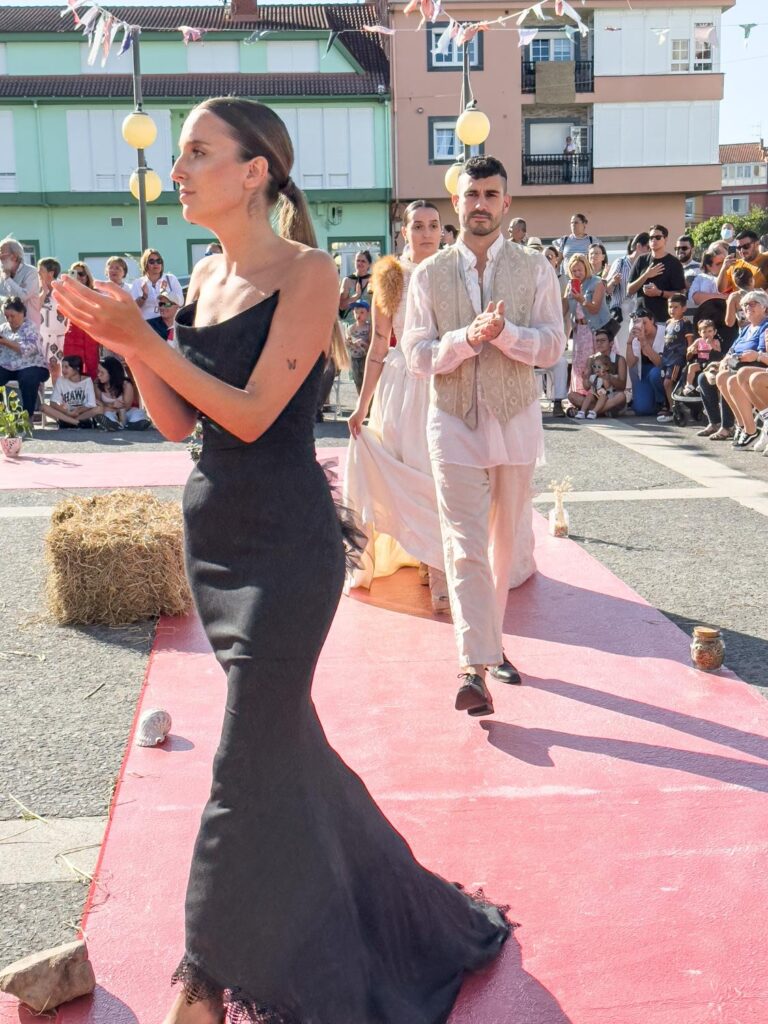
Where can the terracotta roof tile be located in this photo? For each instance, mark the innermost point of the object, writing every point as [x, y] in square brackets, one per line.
[187, 86]
[743, 153]
[366, 49]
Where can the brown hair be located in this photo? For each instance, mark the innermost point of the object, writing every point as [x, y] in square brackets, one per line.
[120, 262]
[258, 131]
[419, 204]
[145, 256]
[79, 265]
[706, 323]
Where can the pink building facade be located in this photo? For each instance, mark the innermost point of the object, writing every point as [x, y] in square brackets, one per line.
[641, 105]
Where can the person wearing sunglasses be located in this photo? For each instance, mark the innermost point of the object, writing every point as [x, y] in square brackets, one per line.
[147, 288]
[78, 342]
[747, 255]
[168, 309]
[655, 278]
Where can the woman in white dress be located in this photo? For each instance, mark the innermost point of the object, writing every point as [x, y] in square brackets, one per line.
[388, 476]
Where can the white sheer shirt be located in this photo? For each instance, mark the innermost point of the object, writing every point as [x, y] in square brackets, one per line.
[520, 441]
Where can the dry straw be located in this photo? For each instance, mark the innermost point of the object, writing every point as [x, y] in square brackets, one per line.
[116, 558]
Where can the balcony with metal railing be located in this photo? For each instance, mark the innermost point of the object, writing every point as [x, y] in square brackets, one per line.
[557, 169]
[583, 75]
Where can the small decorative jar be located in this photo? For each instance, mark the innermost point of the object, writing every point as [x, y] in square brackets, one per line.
[707, 648]
[559, 521]
[11, 446]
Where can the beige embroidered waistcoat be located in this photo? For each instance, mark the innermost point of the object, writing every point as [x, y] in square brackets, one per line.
[505, 385]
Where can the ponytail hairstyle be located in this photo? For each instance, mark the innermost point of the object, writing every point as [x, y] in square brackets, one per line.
[258, 131]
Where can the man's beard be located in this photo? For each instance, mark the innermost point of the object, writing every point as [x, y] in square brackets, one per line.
[481, 226]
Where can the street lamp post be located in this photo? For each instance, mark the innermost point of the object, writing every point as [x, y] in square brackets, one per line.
[140, 131]
[472, 125]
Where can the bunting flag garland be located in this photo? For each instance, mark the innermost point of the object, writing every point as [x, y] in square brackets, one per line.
[747, 29]
[127, 40]
[526, 36]
[382, 30]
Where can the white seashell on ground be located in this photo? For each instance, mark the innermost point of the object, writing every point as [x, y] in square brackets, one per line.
[154, 726]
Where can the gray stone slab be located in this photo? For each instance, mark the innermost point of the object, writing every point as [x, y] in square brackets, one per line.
[693, 560]
[37, 916]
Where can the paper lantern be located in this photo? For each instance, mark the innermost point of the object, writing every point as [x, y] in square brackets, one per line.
[473, 127]
[153, 185]
[139, 130]
[452, 178]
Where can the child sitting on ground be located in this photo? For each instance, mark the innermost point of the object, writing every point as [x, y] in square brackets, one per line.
[702, 351]
[73, 400]
[601, 388]
[678, 336]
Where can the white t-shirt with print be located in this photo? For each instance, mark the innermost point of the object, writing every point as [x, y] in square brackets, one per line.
[71, 394]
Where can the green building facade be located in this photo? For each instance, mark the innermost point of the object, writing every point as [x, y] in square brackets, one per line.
[64, 167]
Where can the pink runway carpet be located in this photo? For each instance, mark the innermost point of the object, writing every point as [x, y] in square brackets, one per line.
[617, 802]
[120, 468]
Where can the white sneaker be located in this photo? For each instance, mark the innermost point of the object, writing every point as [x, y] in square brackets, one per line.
[580, 415]
[762, 442]
[591, 415]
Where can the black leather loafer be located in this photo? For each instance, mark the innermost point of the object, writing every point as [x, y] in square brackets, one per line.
[506, 672]
[473, 696]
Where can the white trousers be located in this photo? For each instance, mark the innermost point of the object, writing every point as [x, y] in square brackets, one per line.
[486, 525]
[557, 380]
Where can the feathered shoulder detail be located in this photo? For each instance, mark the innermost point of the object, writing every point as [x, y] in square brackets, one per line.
[387, 282]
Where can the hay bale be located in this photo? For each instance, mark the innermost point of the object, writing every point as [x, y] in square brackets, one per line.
[116, 558]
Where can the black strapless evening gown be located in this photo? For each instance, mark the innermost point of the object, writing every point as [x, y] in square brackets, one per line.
[304, 905]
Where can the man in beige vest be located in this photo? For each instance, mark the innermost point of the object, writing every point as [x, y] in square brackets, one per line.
[481, 314]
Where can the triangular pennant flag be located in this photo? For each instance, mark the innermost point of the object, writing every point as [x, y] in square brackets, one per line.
[747, 29]
[559, 8]
[381, 30]
[537, 10]
[443, 44]
[88, 20]
[127, 40]
[523, 15]
[570, 31]
[411, 6]
[438, 11]
[332, 37]
[661, 34]
[98, 33]
[190, 34]
[527, 35]
[565, 8]
[110, 30]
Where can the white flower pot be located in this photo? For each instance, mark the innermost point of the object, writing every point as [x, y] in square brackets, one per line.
[10, 446]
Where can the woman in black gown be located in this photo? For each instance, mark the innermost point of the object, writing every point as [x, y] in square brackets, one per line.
[304, 905]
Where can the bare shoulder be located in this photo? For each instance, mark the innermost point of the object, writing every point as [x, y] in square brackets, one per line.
[313, 269]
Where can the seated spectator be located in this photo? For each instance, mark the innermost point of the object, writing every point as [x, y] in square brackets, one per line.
[19, 280]
[744, 280]
[73, 400]
[78, 342]
[703, 351]
[646, 343]
[53, 326]
[21, 357]
[746, 357]
[357, 336]
[146, 289]
[678, 337]
[608, 380]
[116, 270]
[747, 255]
[168, 309]
[115, 395]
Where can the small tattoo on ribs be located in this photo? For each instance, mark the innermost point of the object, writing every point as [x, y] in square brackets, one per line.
[291, 364]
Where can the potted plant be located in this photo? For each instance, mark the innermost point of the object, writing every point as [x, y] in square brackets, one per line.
[14, 423]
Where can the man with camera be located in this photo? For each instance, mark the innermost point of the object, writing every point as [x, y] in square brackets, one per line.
[745, 252]
[19, 280]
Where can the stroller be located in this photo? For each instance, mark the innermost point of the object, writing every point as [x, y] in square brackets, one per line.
[690, 407]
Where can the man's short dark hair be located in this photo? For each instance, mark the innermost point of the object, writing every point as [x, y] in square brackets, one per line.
[452, 228]
[76, 362]
[679, 298]
[642, 311]
[660, 228]
[747, 233]
[686, 238]
[478, 167]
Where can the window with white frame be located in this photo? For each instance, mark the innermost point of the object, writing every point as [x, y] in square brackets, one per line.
[3, 63]
[562, 49]
[681, 55]
[581, 136]
[99, 158]
[215, 57]
[735, 204]
[540, 49]
[290, 57]
[454, 55]
[7, 153]
[445, 142]
[702, 51]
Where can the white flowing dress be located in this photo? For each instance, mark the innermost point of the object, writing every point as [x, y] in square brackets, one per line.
[388, 476]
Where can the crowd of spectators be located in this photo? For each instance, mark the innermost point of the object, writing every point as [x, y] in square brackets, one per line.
[92, 387]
